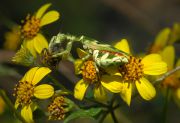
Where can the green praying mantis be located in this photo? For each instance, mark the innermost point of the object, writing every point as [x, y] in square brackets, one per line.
[104, 55]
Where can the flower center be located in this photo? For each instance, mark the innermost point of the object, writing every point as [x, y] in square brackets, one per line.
[31, 27]
[24, 91]
[172, 82]
[89, 72]
[56, 109]
[133, 70]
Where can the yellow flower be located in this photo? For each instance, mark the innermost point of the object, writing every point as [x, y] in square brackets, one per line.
[167, 36]
[26, 90]
[30, 31]
[161, 40]
[92, 75]
[172, 81]
[56, 109]
[134, 73]
[175, 33]
[2, 105]
[12, 39]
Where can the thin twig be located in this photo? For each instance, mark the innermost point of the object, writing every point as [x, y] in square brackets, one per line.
[166, 75]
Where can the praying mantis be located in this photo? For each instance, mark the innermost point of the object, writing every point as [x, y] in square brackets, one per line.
[104, 55]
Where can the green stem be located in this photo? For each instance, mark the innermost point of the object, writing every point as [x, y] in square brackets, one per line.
[96, 102]
[116, 106]
[111, 109]
[165, 108]
[11, 106]
[60, 85]
[105, 113]
[112, 100]
[113, 116]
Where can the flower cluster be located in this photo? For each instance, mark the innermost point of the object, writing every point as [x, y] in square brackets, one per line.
[123, 78]
[56, 108]
[104, 70]
[33, 40]
[27, 90]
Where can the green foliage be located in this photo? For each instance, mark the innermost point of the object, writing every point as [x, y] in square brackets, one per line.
[83, 113]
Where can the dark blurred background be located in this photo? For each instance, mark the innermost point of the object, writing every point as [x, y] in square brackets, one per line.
[108, 21]
[105, 20]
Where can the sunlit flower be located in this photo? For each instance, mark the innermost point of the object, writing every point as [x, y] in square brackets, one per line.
[2, 105]
[161, 40]
[92, 75]
[172, 81]
[27, 90]
[134, 73]
[30, 30]
[56, 109]
[12, 39]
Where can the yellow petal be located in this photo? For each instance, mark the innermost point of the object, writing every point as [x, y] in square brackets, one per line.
[43, 91]
[40, 73]
[16, 105]
[151, 58]
[178, 64]
[26, 113]
[77, 66]
[81, 53]
[153, 65]
[112, 70]
[2, 105]
[100, 94]
[29, 44]
[145, 89]
[80, 89]
[29, 75]
[168, 55]
[40, 43]
[123, 45]
[175, 33]
[162, 37]
[178, 93]
[155, 68]
[49, 17]
[126, 93]
[112, 83]
[42, 10]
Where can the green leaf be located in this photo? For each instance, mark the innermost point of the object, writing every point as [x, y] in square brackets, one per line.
[83, 114]
[4, 71]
